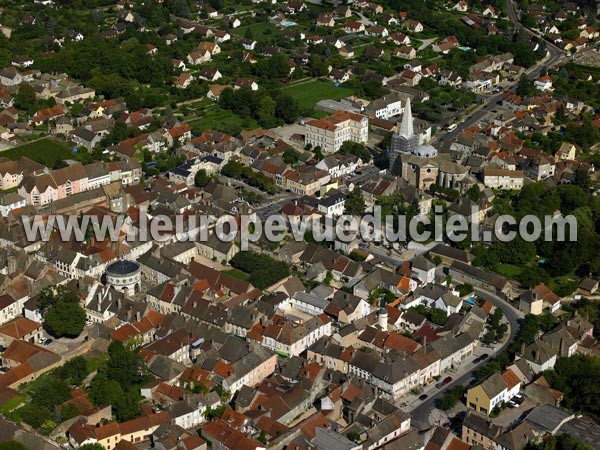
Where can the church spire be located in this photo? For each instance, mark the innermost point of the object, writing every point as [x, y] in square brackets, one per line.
[406, 127]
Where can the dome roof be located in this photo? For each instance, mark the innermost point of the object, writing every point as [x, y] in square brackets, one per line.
[123, 267]
[426, 150]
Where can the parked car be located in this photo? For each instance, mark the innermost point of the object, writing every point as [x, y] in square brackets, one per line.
[423, 396]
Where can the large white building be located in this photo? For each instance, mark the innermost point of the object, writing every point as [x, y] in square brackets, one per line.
[331, 132]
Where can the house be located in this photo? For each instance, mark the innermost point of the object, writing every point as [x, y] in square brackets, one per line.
[203, 52]
[46, 114]
[170, 39]
[461, 6]
[249, 44]
[9, 308]
[234, 22]
[9, 202]
[183, 81]
[354, 26]
[377, 30]
[539, 356]
[589, 33]
[343, 11]
[325, 20]
[399, 38]
[489, 11]
[22, 61]
[539, 299]
[85, 138]
[22, 329]
[504, 179]
[10, 76]
[111, 434]
[405, 52]
[289, 338]
[588, 286]
[413, 25]
[543, 83]
[495, 390]
[245, 82]
[215, 90]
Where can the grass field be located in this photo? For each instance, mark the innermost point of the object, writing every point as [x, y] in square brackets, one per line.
[260, 30]
[309, 93]
[508, 270]
[223, 120]
[44, 151]
[235, 273]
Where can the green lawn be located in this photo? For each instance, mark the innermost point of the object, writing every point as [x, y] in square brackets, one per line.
[222, 120]
[44, 151]
[260, 31]
[509, 270]
[235, 273]
[309, 93]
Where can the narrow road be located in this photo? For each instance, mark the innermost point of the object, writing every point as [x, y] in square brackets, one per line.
[420, 414]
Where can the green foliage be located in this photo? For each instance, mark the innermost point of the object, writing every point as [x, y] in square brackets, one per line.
[201, 178]
[215, 413]
[463, 289]
[577, 377]
[34, 415]
[435, 315]
[562, 442]
[259, 105]
[12, 445]
[118, 381]
[74, 370]
[264, 271]
[451, 398]
[356, 148]
[234, 169]
[65, 320]
[355, 204]
[290, 156]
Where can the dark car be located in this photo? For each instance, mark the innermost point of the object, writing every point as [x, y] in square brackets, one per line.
[48, 341]
[447, 380]
[423, 396]
[484, 356]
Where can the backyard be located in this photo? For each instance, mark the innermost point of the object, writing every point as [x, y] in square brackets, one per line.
[45, 151]
[308, 93]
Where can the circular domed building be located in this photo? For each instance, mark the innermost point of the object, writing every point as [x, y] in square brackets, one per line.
[124, 276]
[426, 151]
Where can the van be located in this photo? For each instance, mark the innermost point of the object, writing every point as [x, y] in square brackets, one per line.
[451, 128]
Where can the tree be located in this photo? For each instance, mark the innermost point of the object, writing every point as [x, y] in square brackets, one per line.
[65, 320]
[318, 153]
[474, 193]
[356, 148]
[287, 108]
[451, 398]
[355, 204]
[12, 445]
[74, 370]
[25, 98]
[201, 179]
[95, 446]
[264, 271]
[562, 442]
[290, 156]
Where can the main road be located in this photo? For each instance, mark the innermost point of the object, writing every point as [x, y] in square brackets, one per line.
[553, 56]
[420, 414]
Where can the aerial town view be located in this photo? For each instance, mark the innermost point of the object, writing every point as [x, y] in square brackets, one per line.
[299, 224]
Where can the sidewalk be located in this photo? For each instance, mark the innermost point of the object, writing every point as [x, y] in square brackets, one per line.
[412, 401]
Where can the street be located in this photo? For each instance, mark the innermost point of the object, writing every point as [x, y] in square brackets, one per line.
[554, 56]
[420, 413]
